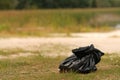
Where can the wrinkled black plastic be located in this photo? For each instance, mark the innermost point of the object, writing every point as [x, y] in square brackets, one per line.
[83, 60]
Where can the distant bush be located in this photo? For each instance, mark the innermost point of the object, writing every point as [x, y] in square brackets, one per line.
[38, 4]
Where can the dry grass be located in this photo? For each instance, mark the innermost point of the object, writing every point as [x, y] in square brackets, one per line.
[42, 22]
[46, 68]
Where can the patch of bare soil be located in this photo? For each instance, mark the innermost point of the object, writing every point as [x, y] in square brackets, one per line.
[55, 46]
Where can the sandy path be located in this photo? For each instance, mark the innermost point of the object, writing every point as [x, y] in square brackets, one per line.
[56, 46]
[110, 45]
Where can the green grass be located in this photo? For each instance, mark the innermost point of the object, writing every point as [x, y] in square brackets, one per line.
[42, 22]
[46, 68]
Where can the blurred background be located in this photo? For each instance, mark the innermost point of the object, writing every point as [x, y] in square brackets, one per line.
[41, 17]
[36, 35]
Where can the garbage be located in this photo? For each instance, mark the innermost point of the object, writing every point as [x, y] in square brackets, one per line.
[83, 60]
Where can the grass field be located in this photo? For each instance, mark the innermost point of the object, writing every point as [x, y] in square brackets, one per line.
[46, 68]
[16, 64]
[42, 22]
[43, 63]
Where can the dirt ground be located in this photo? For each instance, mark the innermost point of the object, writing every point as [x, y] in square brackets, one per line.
[103, 41]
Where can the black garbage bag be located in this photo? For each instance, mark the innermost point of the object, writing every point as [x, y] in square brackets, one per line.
[83, 60]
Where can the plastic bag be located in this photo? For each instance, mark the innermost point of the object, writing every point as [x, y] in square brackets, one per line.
[83, 60]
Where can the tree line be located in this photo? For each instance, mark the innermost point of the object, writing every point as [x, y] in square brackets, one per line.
[41, 4]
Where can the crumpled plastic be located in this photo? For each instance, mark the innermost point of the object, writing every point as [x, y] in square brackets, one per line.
[83, 60]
